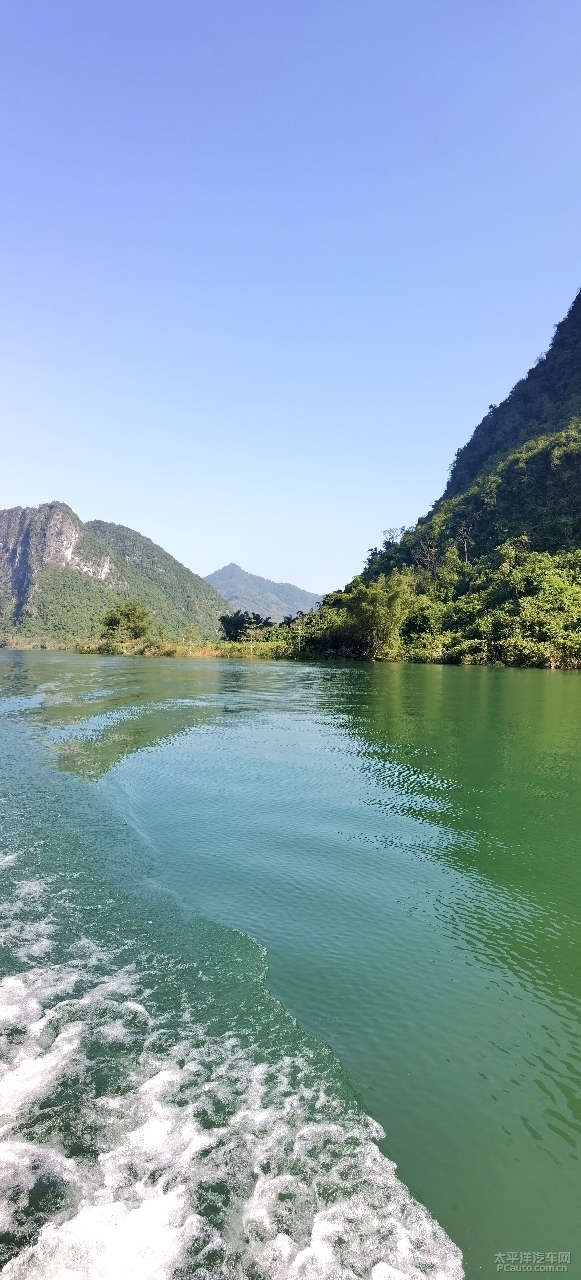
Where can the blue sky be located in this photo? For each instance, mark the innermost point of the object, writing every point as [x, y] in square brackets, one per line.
[265, 264]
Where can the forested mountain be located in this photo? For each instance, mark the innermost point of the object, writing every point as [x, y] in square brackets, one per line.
[518, 475]
[58, 576]
[165, 585]
[540, 404]
[249, 592]
[493, 572]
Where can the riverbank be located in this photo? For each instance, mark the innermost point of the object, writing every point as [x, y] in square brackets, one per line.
[173, 649]
[274, 650]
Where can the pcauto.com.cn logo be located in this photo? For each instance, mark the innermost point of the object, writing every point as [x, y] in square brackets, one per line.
[533, 1261]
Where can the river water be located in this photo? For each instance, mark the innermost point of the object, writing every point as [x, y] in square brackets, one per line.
[271, 930]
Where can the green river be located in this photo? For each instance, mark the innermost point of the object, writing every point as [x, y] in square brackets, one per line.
[291, 980]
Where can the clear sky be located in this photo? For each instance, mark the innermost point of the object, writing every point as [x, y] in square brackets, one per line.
[266, 263]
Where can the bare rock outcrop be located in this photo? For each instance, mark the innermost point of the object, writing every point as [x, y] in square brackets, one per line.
[34, 538]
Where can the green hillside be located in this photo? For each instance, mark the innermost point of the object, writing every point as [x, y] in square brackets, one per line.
[172, 592]
[534, 491]
[64, 607]
[541, 404]
[493, 572]
[518, 475]
[58, 577]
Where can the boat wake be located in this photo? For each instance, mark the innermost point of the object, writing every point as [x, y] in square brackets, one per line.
[136, 1142]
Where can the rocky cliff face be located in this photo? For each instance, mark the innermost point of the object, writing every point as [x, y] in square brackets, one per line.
[34, 538]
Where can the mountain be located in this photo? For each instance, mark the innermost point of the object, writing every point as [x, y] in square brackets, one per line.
[534, 490]
[58, 576]
[540, 404]
[492, 574]
[518, 475]
[247, 591]
[184, 598]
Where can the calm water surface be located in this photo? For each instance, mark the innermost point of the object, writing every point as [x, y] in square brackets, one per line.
[252, 913]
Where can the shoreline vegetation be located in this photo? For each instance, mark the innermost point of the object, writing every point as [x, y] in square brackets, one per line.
[514, 607]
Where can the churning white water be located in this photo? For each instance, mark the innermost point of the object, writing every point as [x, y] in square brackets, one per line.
[137, 1150]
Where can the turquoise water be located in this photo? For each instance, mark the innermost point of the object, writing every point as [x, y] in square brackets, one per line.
[258, 916]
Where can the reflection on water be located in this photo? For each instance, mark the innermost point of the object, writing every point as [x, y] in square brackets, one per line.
[492, 756]
[405, 842]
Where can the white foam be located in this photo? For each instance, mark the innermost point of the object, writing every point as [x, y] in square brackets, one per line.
[34, 1076]
[21, 1165]
[310, 1196]
[30, 938]
[18, 1006]
[112, 1242]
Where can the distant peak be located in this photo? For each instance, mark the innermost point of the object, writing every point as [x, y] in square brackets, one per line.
[249, 591]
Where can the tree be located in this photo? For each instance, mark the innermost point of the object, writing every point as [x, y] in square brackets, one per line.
[392, 537]
[376, 613]
[234, 624]
[126, 620]
[426, 555]
[239, 625]
[464, 538]
[191, 635]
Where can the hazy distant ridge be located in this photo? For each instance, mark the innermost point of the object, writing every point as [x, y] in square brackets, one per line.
[260, 595]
